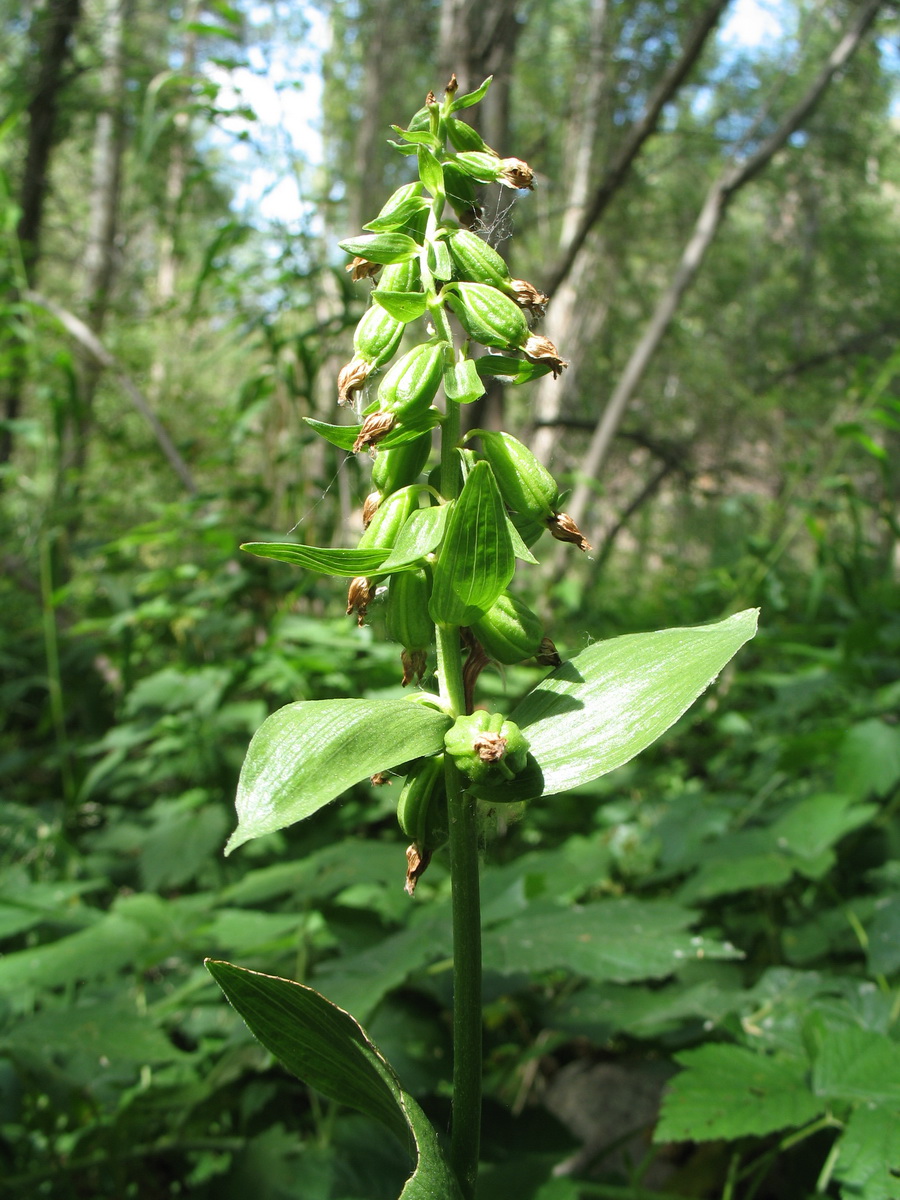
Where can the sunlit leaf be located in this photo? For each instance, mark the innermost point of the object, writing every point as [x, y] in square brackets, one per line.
[307, 753]
[614, 699]
[323, 1045]
[324, 559]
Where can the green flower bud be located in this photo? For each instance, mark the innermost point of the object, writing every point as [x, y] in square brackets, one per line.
[422, 815]
[487, 747]
[411, 384]
[399, 466]
[489, 168]
[389, 518]
[400, 277]
[460, 191]
[527, 487]
[463, 137]
[377, 336]
[487, 315]
[509, 631]
[476, 261]
[408, 622]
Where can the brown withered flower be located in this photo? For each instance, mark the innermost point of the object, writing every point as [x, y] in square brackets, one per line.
[417, 861]
[541, 350]
[476, 661]
[414, 663]
[360, 595]
[370, 507]
[547, 655]
[351, 378]
[527, 296]
[490, 747]
[375, 427]
[453, 86]
[516, 174]
[361, 268]
[564, 529]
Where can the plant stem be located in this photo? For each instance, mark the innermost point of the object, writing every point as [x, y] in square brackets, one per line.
[466, 1127]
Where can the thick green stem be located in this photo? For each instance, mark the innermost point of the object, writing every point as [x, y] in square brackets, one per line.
[466, 1127]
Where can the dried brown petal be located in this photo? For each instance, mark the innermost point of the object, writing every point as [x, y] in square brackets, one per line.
[370, 507]
[490, 747]
[541, 350]
[453, 86]
[360, 595]
[361, 268]
[516, 174]
[380, 779]
[526, 295]
[417, 861]
[351, 378]
[375, 427]
[548, 656]
[415, 663]
[476, 661]
[564, 529]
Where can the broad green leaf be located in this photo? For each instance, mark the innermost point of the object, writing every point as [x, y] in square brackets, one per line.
[303, 756]
[383, 248]
[462, 383]
[869, 760]
[619, 940]
[858, 1065]
[868, 1161]
[884, 937]
[398, 216]
[402, 306]
[323, 1045]
[476, 561]
[520, 550]
[614, 699]
[421, 533]
[324, 559]
[730, 1092]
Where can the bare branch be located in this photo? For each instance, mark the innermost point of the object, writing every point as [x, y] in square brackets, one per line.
[639, 132]
[711, 214]
[92, 344]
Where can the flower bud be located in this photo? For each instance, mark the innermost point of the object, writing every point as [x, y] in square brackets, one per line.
[389, 518]
[412, 382]
[377, 336]
[509, 631]
[475, 260]
[464, 137]
[486, 747]
[401, 465]
[527, 487]
[400, 277]
[515, 174]
[487, 315]
[407, 620]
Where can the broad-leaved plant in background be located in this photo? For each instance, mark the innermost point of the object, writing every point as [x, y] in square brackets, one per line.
[440, 551]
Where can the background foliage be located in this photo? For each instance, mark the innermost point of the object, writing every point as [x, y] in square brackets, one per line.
[705, 943]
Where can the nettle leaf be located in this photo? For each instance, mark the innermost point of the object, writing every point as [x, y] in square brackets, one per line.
[303, 756]
[731, 1092]
[620, 940]
[476, 561]
[868, 1161]
[326, 560]
[383, 248]
[323, 1046]
[858, 1065]
[614, 699]
[402, 306]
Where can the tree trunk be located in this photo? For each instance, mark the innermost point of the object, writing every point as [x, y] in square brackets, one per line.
[51, 36]
[708, 222]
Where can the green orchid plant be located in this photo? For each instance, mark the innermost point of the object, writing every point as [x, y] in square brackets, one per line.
[444, 548]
